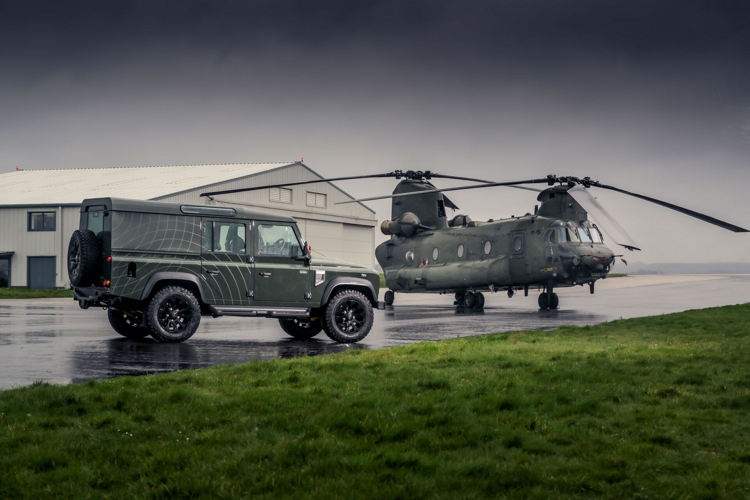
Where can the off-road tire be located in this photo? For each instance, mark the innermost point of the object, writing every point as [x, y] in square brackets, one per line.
[389, 297]
[301, 328]
[161, 310]
[123, 324]
[83, 258]
[336, 317]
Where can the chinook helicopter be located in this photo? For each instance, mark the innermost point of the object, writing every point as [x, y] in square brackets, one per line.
[559, 245]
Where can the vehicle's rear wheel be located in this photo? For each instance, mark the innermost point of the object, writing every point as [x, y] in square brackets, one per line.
[173, 314]
[348, 317]
[83, 258]
[128, 323]
[301, 328]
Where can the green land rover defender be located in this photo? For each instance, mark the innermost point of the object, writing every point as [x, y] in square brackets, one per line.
[158, 267]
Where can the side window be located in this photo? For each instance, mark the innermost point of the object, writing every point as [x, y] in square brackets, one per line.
[224, 237]
[550, 236]
[584, 235]
[595, 235]
[41, 221]
[279, 240]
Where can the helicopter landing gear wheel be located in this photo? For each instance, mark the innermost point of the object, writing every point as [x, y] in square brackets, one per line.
[470, 300]
[543, 301]
[551, 301]
[389, 298]
[554, 302]
[459, 299]
[480, 301]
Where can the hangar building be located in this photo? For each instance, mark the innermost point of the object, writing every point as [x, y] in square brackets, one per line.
[39, 210]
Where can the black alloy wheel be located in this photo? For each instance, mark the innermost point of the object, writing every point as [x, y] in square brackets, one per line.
[348, 317]
[173, 314]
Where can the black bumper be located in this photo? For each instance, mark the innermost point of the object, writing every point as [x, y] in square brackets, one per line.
[92, 296]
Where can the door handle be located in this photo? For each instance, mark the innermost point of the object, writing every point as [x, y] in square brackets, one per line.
[212, 271]
[265, 275]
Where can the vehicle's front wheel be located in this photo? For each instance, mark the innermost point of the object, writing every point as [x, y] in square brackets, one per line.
[128, 323]
[348, 317]
[173, 314]
[300, 328]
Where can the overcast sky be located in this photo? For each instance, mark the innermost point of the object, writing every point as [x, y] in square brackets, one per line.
[653, 97]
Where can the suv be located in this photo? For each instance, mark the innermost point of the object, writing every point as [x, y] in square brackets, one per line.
[158, 267]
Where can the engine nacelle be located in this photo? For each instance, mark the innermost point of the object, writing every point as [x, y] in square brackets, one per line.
[406, 225]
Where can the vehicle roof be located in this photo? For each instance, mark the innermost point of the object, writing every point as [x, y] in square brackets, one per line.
[159, 207]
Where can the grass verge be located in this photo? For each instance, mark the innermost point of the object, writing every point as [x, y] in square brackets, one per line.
[30, 293]
[643, 408]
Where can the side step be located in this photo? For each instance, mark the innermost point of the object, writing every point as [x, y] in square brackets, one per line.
[268, 312]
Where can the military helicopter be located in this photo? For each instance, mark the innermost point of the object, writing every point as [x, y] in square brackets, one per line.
[558, 245]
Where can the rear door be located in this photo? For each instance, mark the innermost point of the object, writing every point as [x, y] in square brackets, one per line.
[226, 261]
[281, 276]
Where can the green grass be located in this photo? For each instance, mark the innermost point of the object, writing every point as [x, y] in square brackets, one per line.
[382, 281]
[616, 275]
[644, 408]
[30, 293]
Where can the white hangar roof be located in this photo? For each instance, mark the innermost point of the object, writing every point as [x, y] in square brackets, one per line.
[72, 186]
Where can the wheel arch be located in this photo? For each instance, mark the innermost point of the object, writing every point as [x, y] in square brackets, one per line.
[161, 279]
[346, 283]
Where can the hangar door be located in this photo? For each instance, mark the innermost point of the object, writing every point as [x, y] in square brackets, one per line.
[41, 273]
[358, 246]
[334, 240]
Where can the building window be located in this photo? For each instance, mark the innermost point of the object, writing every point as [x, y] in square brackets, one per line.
[317, 200]
[281, 195]
[42, 221]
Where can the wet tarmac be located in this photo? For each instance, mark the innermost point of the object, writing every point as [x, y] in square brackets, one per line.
[52, 340]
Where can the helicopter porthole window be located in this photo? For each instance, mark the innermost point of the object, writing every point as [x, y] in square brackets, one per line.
[487, 247]
[460, 251]
[434, 253]
[409, 256]
[517, 244]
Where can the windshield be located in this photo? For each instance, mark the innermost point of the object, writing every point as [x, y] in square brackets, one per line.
[583, 233]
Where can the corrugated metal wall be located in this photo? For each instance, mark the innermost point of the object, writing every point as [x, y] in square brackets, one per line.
[15, 237]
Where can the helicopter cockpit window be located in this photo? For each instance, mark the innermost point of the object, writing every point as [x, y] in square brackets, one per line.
[595, 235]
[584, 235]
[550, 236]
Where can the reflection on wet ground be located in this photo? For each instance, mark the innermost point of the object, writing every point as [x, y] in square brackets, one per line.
[55, 341]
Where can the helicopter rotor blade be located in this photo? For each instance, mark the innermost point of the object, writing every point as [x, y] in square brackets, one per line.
[608, 224]
[683, 210]
[300, 183]
[470, 179]
[459, 188]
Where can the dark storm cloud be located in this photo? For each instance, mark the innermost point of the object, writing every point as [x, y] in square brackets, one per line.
[648, 94]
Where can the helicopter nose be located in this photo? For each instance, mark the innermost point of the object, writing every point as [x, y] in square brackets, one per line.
[598, 259]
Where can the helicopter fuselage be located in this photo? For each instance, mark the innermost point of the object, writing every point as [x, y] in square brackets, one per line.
[496, 255]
